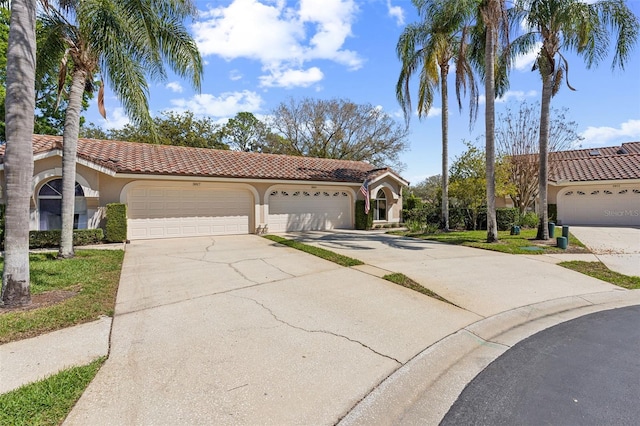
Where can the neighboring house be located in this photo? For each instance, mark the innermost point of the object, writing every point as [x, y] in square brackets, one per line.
[596, 186]
[173, 191]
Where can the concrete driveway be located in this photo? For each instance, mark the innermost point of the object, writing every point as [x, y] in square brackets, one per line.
[239, 330]
[618, 248]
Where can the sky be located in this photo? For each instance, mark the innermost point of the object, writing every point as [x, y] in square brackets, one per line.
[259, 53]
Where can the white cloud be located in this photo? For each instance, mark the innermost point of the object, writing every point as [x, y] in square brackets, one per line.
[396, 12]
[174, 86]
[226, 105]
[518, 95]
[525, 62]
[235, 75]
[600, 136]
[292, 78]
[434, 112]
[116, 120]
[282, 38]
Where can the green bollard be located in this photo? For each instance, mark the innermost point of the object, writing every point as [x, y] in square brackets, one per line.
[562, 242]
[565, 231]
[552, 229]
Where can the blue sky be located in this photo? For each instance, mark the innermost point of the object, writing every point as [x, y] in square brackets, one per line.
[259, 53]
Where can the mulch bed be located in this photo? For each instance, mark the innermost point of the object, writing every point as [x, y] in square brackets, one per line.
[41, 300]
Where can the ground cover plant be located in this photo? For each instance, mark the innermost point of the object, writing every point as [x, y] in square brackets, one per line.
[600, 271]
[316, 251]
[65, 292]
[513, 244]
[404, 281]
[48, 401]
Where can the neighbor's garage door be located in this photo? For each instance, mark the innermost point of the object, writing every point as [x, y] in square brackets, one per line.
[309, 210]
[187, 211]
[605, 205]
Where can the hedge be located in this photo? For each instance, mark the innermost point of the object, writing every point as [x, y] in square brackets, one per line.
[552, 212]
[81, 237]
[116, 226]
[506, 218]
[363, 221]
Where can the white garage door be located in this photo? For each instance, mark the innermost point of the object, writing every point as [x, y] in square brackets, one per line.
[187, 211]
[309, 210]
[605, 205]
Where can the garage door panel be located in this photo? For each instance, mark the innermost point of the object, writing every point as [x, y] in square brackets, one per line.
[607, 205]
[182, 212]
[306, 210]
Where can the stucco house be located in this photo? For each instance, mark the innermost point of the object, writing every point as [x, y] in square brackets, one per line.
[596, 186]
[175, 191]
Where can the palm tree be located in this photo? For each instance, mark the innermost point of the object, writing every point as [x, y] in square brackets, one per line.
[18, 159]
[569, 25]
[493, 16]
[429, 47]
[125, 41]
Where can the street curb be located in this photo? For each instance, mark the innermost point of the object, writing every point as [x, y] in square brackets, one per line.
[413, 395]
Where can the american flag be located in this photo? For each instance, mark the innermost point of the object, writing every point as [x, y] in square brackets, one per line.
[365, 191]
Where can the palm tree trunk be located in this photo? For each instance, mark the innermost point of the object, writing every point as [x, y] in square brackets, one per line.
[444, 72]
[490, 144]
[18, 159]
[545, 105]
[69, 152]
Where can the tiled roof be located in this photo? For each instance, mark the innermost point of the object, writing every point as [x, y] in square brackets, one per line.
[140, 158]
[608, 163]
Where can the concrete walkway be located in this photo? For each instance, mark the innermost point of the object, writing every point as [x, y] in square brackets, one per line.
[239, 330]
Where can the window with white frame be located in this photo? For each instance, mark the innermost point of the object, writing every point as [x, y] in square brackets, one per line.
[50, 206]
[380, 206]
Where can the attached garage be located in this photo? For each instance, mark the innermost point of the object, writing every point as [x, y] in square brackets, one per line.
[600, 205]
[310, 209]
[157, 210]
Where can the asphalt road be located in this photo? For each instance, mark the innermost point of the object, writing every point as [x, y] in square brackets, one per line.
[581, 372]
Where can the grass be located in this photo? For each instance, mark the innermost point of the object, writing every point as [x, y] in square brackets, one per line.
[48, 401]
[316, 251]
[93, 274]
[404, 281]
[512, 244]
[600, 271]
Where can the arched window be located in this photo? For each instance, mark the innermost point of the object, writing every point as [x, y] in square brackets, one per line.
[50, 206]
[380, 206]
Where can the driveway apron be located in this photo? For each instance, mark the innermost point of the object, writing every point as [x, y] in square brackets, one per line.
[240, 330]
[481, 281]
[618, 248]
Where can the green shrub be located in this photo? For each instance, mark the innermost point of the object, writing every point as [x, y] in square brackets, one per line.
[529, 220]
[363, 221]
[49, 239]
[116, 226]
[506, 217]
[552, 212]
[413, 202]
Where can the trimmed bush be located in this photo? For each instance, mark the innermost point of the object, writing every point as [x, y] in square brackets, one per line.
[413, 202]
[116, 226]
[506, 217]
[50, 239]
[529, 220]
[552, 212]
[363, 221]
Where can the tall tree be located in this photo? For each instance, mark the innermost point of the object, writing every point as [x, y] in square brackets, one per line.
[570, 25]
[337, 129]
[517, 136]
[245, 132]
[429, 48]
[18, 159]
[494, 18]
[126, 41]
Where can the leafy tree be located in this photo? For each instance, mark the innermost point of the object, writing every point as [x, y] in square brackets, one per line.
[173, 129]
[337, 129]
[517, 136]
[429, 190]
[569, 25]
[18, 158]
[246, 133]
[125, 41]
[429, 48]
[468, 181]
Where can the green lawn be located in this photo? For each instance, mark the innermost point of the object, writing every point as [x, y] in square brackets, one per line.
[316, 251]
[513, 244]
[48, 401]
[600, 271]
[93, 274]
